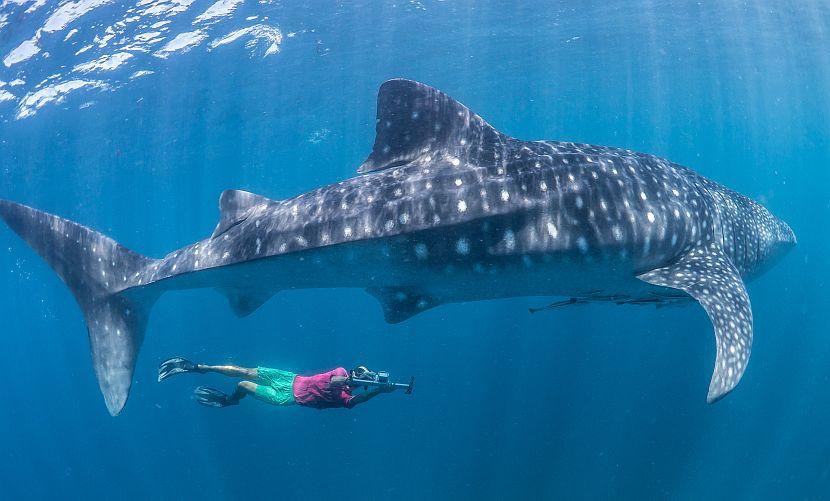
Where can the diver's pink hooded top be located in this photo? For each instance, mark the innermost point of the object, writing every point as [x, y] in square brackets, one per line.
[316, 391]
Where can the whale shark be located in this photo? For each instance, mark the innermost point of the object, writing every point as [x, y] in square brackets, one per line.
[445, 209]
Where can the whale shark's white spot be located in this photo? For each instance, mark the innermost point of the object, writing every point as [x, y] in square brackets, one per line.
[509, 240]
[403, 218]
[428, 185]
[543, 186]
[650, 216]
[347, 232]
[389, 225]
[462, 246]
[643, 195]
[455, 162]
[462, 206]
[675, 192]
[582, 244]
[421, 250]
[617, 232]
[579, 202]
[459, 182]
[552, 231]
[505, 196]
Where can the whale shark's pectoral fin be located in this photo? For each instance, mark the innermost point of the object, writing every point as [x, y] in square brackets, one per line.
[707, 274]
[245, 302]
[234, 206]
[401, 303]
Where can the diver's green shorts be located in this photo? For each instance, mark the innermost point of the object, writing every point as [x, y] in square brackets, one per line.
[275, 386]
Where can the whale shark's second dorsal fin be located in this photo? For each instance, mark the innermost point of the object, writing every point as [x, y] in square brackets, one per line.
[234, 206]
[415, 120]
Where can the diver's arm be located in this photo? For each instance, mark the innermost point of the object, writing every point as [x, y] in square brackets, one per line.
[368, 395]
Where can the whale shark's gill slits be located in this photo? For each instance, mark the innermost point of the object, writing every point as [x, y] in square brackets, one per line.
[707, 274]
[234, 207]
[416, 121]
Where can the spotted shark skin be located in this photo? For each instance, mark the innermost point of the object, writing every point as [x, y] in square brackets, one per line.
[445, 209]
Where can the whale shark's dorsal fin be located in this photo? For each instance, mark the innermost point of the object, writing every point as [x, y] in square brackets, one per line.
[415, 120]
[707, 274]
[233, 209]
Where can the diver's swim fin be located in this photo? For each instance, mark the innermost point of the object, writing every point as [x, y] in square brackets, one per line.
[213, 398]
[176, 365]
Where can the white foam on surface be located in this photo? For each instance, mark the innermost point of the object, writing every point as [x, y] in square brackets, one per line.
[33, 101]
[69, 12]
[141, 73]
[182, 43]
[5, 96]
[104, 63]
[35, 6]
[16, 82]
[163, 7]
[23, 52]
[145, 37]
[221, 8]
[70, 34]
[259, 32]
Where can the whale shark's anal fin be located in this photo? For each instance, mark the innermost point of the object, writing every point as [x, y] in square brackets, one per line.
[101, 274]
[707, 274]
[415, 120]
[243, 302]
[402, 303]
[234, 207]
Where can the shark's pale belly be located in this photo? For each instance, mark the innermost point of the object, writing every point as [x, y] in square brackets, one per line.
[445, 279]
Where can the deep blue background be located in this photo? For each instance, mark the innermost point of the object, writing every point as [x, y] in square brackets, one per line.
[587, 403]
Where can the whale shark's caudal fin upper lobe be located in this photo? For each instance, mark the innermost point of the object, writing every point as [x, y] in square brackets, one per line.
[98, 271]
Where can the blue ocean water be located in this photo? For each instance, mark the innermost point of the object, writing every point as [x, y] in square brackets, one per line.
[134, 124]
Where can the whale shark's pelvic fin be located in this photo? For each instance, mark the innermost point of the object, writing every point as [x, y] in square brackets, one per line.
[98, 271]
[234, 207]
[401, 303]
[707, 274]
[415, 120]
[243, 302]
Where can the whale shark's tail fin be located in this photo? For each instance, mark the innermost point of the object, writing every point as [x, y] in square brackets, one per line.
[98, 271]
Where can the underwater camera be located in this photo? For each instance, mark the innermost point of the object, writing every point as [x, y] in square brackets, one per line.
[379, 379]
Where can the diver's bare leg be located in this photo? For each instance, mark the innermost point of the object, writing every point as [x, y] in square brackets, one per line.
[229, 370]
[243, 388]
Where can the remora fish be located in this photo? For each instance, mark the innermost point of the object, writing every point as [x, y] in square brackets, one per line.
[447, 209]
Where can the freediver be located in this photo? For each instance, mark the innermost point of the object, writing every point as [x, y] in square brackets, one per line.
[335, 388]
